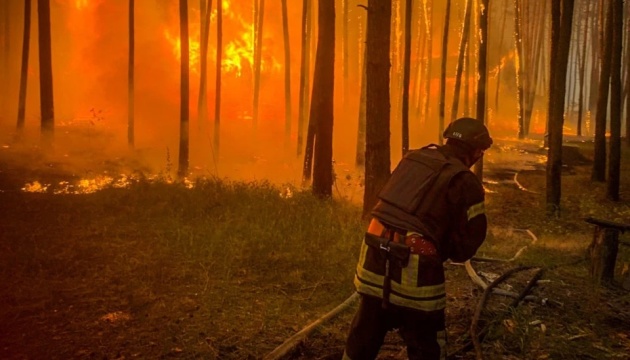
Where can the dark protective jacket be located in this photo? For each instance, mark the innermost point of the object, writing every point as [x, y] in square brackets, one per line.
[433, 194]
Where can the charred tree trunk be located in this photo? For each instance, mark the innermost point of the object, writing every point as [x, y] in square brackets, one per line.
[482, 72]
[287, 76]
[45, 71]
[130, 76]
[184, 90]
[599, 161]
[460, 60]
[377, 154]
[323, 97]
[429, 74]
[6, 47]
[442, 104]
[562, 17]
[627, 76]
[406, 78]
[205, 7]
[614, 160]
[26, 39]
[305, 62]
[258, 60]
[217, 98]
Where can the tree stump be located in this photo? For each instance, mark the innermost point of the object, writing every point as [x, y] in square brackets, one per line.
[603, 250]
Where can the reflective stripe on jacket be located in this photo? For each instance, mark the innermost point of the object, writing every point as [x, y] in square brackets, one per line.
[420, 285]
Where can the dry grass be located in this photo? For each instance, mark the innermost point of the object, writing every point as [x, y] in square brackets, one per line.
[229, 270]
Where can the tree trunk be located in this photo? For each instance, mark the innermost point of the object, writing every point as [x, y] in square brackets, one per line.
[519, 74]
[442, 104]
[205, 7]
[217, 94]
[258, 60]
[562, 17]
[614, 160]
[6, 47]
[603, 253]
[482, 72]
[287, 76]
[460, 59]
[130, 76]
[323, 97]
[587, 18]
[501, 64]
[599, 161]
[406, 78]
[346, 55]
[377, 154]
[360, 155]
[429, 75]
[45, 71]
[597, 27]
[24, 68]
[627, 77]
[305, 62]
[184, 89]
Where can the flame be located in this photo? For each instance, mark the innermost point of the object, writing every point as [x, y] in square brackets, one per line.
[194, 48]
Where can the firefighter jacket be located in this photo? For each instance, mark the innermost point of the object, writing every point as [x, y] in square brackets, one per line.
[434, 195]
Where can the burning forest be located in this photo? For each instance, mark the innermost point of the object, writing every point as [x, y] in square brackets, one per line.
[197, 179]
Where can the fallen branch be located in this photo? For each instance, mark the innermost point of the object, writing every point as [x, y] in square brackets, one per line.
[482, 302]
[296, 339]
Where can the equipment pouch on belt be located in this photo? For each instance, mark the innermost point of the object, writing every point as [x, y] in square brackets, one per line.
[396, 252]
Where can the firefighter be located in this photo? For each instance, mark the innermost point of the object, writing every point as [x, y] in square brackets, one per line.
[430, 210]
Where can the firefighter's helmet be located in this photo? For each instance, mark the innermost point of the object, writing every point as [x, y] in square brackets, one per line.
[469, 131]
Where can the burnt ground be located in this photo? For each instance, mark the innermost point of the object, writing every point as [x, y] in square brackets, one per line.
[107, 275]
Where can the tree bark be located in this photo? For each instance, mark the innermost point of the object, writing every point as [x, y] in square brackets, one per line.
[305, 62]
[482, 73]
[614, 160]
[442, 104]
[184, 89]
[406, 78]
[45, 71]
[322, 102]
[258, 61]
[377, 154]
[460, 59]
[599, 160]
[26, 39]
[360, 155]
[587, 18]
[429, 24]
[562, 17]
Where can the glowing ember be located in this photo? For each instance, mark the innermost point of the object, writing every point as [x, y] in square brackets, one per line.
[35, 187]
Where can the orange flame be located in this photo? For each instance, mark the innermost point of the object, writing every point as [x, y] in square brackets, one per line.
[194, 48]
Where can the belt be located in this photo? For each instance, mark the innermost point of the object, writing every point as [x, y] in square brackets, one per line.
[416, 242]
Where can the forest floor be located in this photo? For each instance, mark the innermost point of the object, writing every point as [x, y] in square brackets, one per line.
[130, 266]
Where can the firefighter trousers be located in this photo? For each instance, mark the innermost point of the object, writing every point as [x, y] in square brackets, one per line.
[423, 332]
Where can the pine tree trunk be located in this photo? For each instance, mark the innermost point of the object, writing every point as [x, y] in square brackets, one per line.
[519, 77]
[287, 76]
[258, 61]
[627, 76]
[184, 90]
[217, 98]
[130, 77]
[442, 104]
[45, 71]
[360, 151]
[599, 158]
[482, 73]
[202, 103]
[406, 78]
[614, 161]
[377, 153]
[587, 17]
[322, 102]
[460, 59]
[429, 74]
[562, 17]
[6, 47]
[26, 39]
[305, 56]
[346, 57]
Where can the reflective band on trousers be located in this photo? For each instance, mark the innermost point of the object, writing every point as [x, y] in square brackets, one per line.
[475, 210]
[406, 293]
